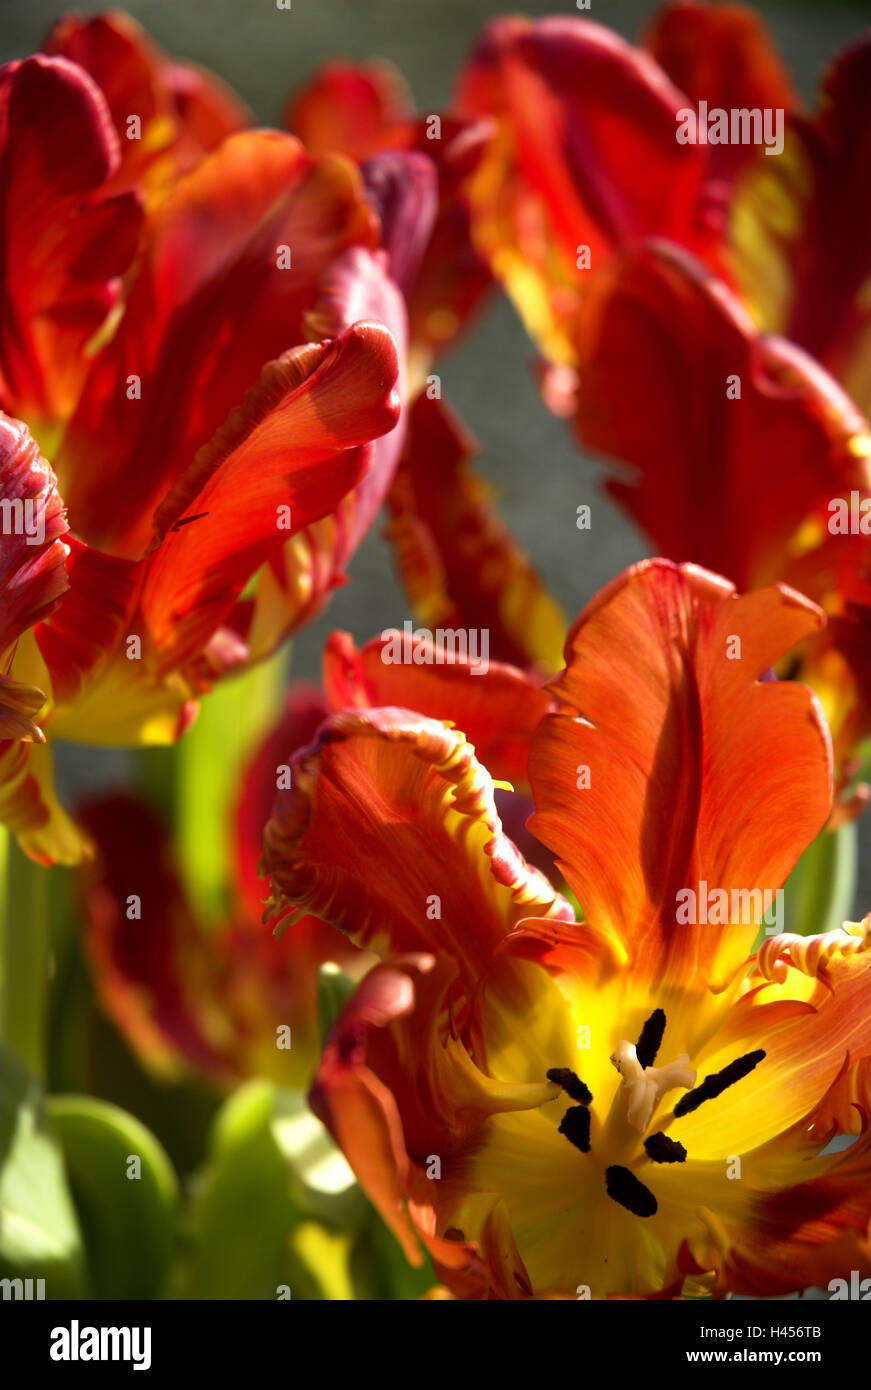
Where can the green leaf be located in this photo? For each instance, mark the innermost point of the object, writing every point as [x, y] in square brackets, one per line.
[39, 1231]
[819, 893]
[273, 1192]
[231, 719]
[243, 1210]
[127, 1210]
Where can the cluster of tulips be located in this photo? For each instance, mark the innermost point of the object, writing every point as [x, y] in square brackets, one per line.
[451, 906]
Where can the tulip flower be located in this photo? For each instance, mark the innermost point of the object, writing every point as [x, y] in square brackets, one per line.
[167, 114]
[215, 1001]
[212, 443]
[599, 1107]
[650, 295]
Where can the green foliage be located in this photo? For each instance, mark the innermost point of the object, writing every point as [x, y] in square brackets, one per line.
[39, 1230]
[127, 1209]
[819, 893]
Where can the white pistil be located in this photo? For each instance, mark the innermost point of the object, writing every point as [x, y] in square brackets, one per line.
[647, 1085]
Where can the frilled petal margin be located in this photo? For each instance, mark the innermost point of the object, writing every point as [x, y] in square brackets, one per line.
[393, 789]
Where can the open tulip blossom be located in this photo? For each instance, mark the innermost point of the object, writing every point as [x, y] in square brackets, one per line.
[499, 956]
[551, 1104]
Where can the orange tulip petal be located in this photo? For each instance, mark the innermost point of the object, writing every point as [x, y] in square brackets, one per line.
[681, 767]
[65, 242]
[498, 709]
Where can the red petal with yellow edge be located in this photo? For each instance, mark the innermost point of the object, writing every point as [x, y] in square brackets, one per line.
[723, 56]
[390, 832]
[585, 154]
[31, 810]
[741, 479]
[458, 563]
[214, 302]
[290, 444]
[681, 767]
[65, 242]
[498, 708]
[800, 228]
[33, 556]
[184, 996]
[182, 110]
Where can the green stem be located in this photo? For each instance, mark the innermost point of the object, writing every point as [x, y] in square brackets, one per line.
[24, 955]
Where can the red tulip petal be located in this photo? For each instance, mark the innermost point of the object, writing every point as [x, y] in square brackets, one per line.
[90, 620]
[347, 108]
[211, 306]
[724, 56]
[183, 111]
[742, 485]
[458, 563]
[498, 708]
[290, 444]
[390, 832]
[294, 586]
[695, 771]
[65, 242]
[585, 153]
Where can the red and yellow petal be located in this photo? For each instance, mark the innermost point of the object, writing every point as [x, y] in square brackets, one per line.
[291, 444]
[214, 302]
[182, 110]
[742, 480]
[65, 242]
[584, 155]
[390, 832]
[722, 55]
[800, 228]
[636, 793]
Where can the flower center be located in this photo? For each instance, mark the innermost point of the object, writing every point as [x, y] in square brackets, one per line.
[643, 1086]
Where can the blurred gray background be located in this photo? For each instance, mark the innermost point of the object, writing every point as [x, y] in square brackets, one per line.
[263, 53]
